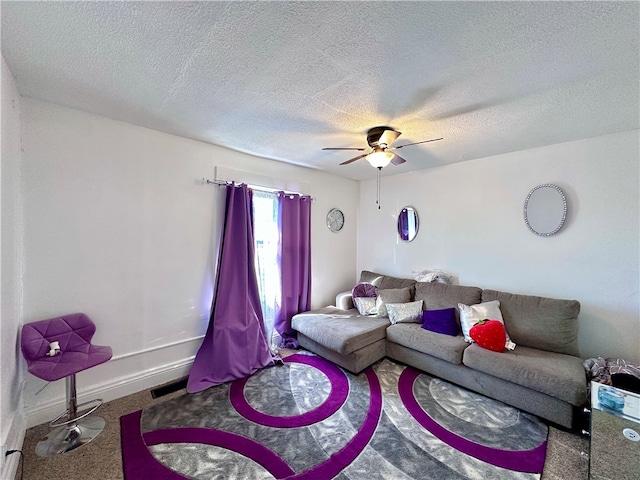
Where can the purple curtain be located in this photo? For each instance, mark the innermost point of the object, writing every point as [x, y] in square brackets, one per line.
[295, 263]
[234, 345]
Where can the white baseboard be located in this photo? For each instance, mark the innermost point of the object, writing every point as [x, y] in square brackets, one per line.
[15, 441]
[110, 390]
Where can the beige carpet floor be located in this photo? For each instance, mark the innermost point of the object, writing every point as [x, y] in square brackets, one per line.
[101, 459]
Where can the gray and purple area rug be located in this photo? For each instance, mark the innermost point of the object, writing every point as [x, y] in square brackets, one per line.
[309, 419]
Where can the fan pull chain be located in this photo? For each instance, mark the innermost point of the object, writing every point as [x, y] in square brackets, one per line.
[378, 188]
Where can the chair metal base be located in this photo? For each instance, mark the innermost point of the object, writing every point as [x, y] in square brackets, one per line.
[66, 438]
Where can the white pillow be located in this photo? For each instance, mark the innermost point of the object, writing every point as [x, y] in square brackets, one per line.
[471, 314]
[405, 312]
[366, 305]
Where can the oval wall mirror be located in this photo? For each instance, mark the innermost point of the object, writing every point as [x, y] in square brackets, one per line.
[545, 210]
[408, 224]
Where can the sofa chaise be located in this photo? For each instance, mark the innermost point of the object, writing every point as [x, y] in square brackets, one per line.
[543, 375]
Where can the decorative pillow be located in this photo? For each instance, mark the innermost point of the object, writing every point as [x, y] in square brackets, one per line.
[441, 321]
[391, 295]
[405, 312]
[364, 289]
[472, 314]
[489, 334]
[366, 305]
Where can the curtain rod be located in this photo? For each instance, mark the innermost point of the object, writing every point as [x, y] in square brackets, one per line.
[221, 183]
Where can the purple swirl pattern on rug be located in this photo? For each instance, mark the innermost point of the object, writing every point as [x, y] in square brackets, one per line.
[337, 397]
[528, 461]
[139, 462]
[339, 460]
[211, 436]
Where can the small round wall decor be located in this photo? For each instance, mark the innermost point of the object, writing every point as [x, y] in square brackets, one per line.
[335, 220]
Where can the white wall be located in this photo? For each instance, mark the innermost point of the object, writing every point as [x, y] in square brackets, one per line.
[471, 224]
[11, 416]
[117, 225]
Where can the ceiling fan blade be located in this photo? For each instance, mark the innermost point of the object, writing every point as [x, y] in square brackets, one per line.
[397, 159]
[354, 159]
[388, 137]
[416, 143]
[348, 148]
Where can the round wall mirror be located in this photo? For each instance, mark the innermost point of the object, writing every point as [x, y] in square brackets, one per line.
[408, 224]
[545, 210]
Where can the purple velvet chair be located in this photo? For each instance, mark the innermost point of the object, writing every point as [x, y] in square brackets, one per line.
[73, 335]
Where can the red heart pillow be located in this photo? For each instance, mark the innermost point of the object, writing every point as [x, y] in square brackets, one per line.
[489, 334]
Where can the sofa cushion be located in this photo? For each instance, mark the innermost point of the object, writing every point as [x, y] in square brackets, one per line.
[413, 336]
[343, 331]
[388, 282]
[538, 322]
[437, 296]
[370, 277]
[555, 374]
[392, 295]
[385, 281]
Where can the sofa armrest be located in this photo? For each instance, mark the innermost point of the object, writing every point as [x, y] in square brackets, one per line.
[344, 301]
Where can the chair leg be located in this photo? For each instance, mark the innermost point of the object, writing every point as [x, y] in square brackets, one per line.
[72, 396]
[75, 431]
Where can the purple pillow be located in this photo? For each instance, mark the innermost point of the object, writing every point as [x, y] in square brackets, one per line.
[364, 290]
[441, 321]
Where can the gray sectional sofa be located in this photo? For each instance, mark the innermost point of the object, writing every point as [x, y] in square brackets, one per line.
[544, 375]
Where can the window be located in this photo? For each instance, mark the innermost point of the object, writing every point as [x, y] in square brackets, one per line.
[266, 237]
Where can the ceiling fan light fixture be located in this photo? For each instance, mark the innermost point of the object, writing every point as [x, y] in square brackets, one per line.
[379, 140]
[379, 158]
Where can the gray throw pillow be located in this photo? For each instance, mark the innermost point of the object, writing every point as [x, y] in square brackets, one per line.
[392, 295]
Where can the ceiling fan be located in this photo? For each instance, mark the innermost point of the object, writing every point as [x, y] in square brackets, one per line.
[378, 154]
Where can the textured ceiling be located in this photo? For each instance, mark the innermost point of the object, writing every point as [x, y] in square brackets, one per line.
[281, 80]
